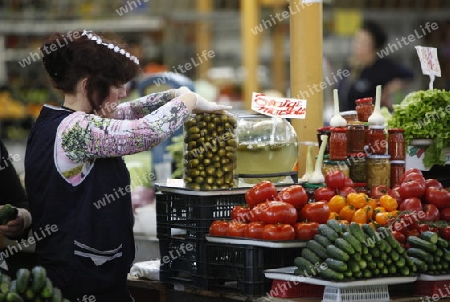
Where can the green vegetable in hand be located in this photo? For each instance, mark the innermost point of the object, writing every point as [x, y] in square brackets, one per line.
[8, 213]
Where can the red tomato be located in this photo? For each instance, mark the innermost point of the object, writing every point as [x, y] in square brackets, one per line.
[346, 190]
[410, 171]
[324, 193]
[377, 191]
[399, 237]
[445, 214]
[431, 212]
[335, 179]
[316, 211]
[278, 212]
[445, 232]
[219, 228]
[278, 232]
[412, 188]
[348, 182]
[413, 232]
[241, 213]
[306, 230]
[400, 226]
[423, 227]
[255, 213]
[431, 182]
[295, 195]
[236, 229]
[395, 193]
[410, 220]
[254, 230]
[411, 204]
[438, 196]
[260, 192]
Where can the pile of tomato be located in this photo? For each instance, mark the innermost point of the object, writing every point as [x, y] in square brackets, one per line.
[272, 215]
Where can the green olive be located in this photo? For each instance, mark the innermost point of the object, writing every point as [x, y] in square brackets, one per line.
[214, 149]
[222, 152]
[219, 173]
[193, 173]
[200, 157]
[192, 144]
[210, 180]
[187, 179]
[201, 140]
[201, 168]
[199, 179]
[203, 132]
[216, 158]
[224, 118]
[194, 162]
[210, 170]
[193, 136]
[224, 161]
[216, 120]
[220, 129]
[227, 168]
[207, 161]
[230, 149]
[214, 133]
[194, 130]
[232, 143]
[211, 126]
[222, 144]
[209, 155]
[217, 165]
[230, 155]
[202, 124]
[206, 187]
[219, 181]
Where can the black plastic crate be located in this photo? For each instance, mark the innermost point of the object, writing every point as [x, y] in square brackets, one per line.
[241, 268]
[183, 261]
[193, 213]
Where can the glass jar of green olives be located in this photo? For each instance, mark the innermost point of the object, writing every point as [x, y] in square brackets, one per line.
[209, 151]
[266, 146]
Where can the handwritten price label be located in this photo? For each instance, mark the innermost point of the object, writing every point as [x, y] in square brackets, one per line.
[278, 107]
[429, 60]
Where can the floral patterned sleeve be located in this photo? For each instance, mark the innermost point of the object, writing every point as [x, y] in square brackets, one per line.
[143, 106]
[82, 137]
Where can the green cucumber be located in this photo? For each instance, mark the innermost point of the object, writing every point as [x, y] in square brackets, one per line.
[400, 262]
[370, 232]
[22, 280]
[304, 266]
[5, 281]
[345, 246]
[331, 275]
[394, 256]
[353, 241]
[13, 297]
[446, 254]
[392, 269]
[362, 264]
[317, 248]
[356, 230]
[47, 291]
[39, 274]
[336, 265]
[3, 297]
[29, 294]
[324, 241]
[13, 287]
[353, 266]
[328, 232]
[310, 256]
[57, 296]
[421, 254]
[335, 225]
[429, 236]
[420, 243]
[442, 242]
[405, 271]
[375, 252]
[367, 274]
[8, 213]
[336, 253]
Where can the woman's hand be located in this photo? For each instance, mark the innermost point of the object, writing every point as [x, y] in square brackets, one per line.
[16, 227]
[201, 104]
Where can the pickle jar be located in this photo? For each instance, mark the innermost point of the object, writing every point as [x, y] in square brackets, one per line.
[327, 131]
[396, 144]
[338, 143]
[355, 137]
[357, 163]
[397, 171]
[378, 170]
[377, 140]
[364, 109]
[210, 151]
[335, 165]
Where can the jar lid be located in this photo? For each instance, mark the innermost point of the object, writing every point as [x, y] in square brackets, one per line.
[378, 156]
[400, 162]
[359, 154]
[339, 129]
[364, 100]
[349, 112]
[376, 127]
[325, 128]
[396, 130]
[359, 184]
[335, 162]
[355, 123]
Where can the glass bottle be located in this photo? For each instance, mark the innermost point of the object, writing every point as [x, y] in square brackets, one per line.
[396, 144]
[338, 143]
[364, 108]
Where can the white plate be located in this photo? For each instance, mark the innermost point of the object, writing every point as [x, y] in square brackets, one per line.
[287, 274]
[425, 277]
[255, 242]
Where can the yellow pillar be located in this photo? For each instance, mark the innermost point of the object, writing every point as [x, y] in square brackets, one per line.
[250, 60]
[306, 50]
[278, 62]
[203, 37]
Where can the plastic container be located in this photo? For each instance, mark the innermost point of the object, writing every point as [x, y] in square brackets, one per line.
[378, 170]
[396, 144]
[240, 268]
[290, 289]
[338, 143]
[397, 171]
[364, 108]
[375, 293]
[377, 140]
[355, 137]
[210, 151]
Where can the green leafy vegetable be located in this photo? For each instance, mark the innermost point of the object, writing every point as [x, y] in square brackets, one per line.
[425, 114]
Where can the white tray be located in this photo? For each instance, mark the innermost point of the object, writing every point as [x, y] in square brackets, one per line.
[255, 242]
[287, 274]
[425, 277]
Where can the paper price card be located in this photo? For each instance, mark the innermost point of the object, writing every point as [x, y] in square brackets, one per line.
[429, 62]
[278, 107]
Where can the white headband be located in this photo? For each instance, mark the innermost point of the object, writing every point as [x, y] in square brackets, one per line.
[98, 40]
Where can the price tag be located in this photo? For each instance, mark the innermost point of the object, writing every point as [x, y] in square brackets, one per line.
[429, 62]
[278, 107]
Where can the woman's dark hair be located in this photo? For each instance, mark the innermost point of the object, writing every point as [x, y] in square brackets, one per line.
[70, 58]
[378, 34]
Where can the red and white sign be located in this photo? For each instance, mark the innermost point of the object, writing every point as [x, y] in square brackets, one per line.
[278, 107]
[429, 60]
